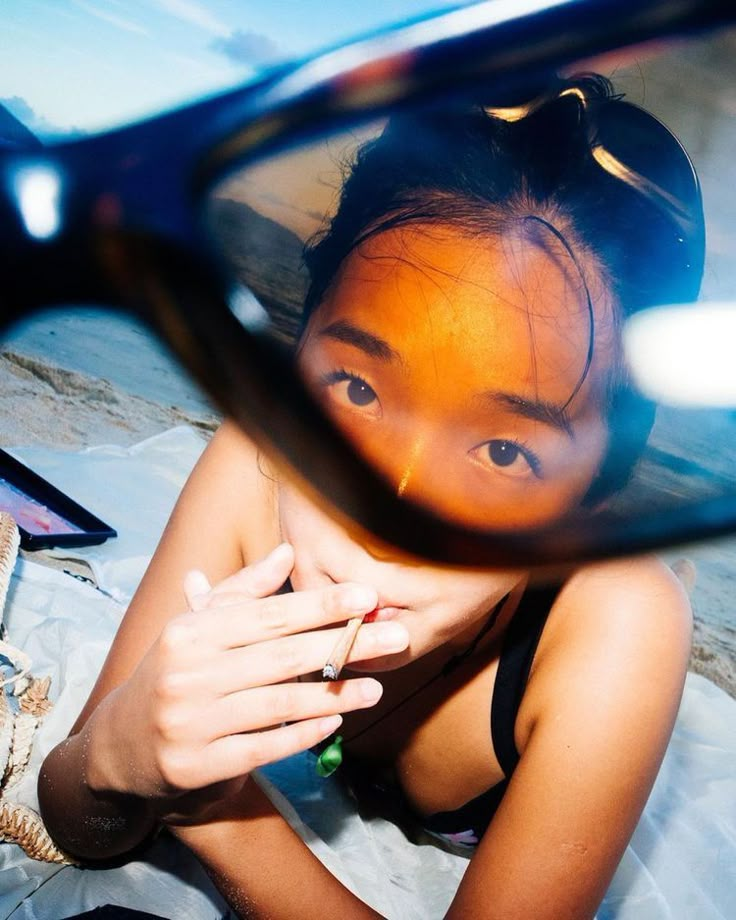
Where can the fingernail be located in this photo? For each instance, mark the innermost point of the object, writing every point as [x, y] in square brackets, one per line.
[391, 636]
[359, 599]
[197, 582]
[330, 724]
[371, 691]
[278, 554]
[196, 585]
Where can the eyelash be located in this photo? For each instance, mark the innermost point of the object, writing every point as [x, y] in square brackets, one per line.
[340, 374]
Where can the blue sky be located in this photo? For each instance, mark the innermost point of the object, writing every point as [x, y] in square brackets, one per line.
[86, 64]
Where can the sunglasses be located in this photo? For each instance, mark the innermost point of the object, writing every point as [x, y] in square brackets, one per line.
[121, 219]
[635, 148]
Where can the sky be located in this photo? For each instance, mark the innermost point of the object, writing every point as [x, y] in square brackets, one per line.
[84, 65]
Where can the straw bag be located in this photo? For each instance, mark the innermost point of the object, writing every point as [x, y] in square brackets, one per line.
[23, 703]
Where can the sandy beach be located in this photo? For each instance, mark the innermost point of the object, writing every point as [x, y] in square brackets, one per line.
[74, 380]
[44, 404]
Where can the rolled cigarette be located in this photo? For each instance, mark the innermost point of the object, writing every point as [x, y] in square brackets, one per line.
[339, 654]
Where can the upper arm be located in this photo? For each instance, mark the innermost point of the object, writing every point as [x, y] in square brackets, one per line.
[603, 697]
[205, 531]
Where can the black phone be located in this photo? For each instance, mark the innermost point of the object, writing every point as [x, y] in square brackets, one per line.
[45, 515]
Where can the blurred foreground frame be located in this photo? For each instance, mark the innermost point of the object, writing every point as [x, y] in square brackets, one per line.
[131, 235]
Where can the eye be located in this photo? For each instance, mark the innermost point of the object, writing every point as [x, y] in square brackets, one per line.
[351, 391]
[508, 457]
[359, 393]
[503, 453]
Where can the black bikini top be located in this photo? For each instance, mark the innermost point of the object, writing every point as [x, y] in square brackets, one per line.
[517, 654]
[467, 824]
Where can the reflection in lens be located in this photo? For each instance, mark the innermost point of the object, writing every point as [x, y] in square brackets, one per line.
[444, 332]
[38, 193]
[684, 356]
[453, 280]
[247, 309]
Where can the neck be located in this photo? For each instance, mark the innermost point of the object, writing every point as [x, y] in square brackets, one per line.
[505, 606]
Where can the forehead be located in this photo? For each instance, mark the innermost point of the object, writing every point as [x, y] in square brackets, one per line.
[511, 307]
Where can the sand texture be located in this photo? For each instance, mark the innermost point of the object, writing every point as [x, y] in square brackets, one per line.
[41, 404]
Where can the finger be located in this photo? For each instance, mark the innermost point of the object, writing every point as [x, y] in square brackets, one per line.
[236, 755]
[287, 614]
[196, 587]
[259, 579]
[266, 707]
[281, 660]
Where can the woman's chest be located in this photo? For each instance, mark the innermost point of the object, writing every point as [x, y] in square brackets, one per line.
[431, 735]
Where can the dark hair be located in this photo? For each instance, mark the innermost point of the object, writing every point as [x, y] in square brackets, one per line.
[484, 171]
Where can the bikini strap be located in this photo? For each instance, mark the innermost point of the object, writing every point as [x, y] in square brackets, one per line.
[517, 655]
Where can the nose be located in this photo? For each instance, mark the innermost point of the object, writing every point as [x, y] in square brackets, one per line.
[422, 460]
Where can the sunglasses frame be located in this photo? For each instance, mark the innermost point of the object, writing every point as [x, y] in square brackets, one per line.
[132, 236]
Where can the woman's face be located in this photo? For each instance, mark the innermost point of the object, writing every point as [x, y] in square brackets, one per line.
[448, 361]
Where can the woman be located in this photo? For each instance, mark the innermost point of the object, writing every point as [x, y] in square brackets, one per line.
[461, 328]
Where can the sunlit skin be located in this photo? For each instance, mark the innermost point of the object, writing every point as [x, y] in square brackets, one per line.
[450, 361]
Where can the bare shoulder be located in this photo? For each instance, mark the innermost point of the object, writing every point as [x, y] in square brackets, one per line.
[640, 601]
[637, 577]
[592, 730]
[618, 631]
[225, 515]
[233, 484]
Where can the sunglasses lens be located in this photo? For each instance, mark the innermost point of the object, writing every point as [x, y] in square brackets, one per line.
[459, 326]
[405, 329]
[650, 150]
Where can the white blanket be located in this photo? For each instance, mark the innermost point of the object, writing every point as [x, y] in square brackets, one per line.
[681, 862]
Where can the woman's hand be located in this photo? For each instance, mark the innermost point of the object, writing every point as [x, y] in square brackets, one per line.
[215, 695]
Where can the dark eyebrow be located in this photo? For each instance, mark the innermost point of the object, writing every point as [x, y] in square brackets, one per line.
[372, 345]
[536, 409]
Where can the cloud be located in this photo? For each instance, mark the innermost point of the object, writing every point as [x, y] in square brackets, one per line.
[246, 47]
[39, 125]
[127, 25]
[240, 46]
[196, 14]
